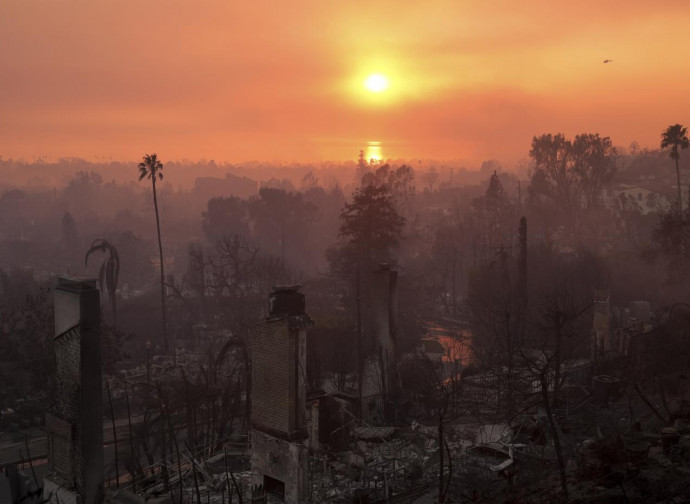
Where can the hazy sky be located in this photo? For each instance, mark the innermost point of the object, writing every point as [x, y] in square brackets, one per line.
[269, 80]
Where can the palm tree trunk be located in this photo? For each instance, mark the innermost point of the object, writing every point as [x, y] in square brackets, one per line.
[680, 198]
[160, 253]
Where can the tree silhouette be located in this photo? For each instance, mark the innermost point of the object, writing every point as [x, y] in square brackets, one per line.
[594, 162]
[109, 273]
[151, 168]
[675, 136]
[552, 155]
[370, 224]
[370, 228]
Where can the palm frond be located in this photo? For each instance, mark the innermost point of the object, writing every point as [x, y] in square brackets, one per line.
[143, 171]
[150, 167]
[98, 245]
[109, 272]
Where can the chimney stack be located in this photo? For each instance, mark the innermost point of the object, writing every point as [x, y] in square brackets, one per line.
[279, 363]
[74, 422]
[384, 322]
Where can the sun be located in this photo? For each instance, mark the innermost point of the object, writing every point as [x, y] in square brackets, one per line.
[376, 83]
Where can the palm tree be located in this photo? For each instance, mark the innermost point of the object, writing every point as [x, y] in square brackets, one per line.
[151, 168]
[109, 272]
[675, 136]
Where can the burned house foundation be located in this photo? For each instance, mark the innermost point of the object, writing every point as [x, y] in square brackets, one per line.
[279, 466]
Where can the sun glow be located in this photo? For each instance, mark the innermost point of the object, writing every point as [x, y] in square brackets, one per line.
[373, 152]
[376, 83]
[385, 81]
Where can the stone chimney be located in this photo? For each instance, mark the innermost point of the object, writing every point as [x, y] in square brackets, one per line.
[74, 421]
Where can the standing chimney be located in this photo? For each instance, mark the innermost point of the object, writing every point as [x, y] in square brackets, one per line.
[384, 324]
[74, 422]
[279, 358]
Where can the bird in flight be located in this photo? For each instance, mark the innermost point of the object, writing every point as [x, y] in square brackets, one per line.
[608, 60]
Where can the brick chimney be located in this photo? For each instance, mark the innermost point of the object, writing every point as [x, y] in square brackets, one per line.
[279, 358]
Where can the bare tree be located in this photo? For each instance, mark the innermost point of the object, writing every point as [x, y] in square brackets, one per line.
[557, 332]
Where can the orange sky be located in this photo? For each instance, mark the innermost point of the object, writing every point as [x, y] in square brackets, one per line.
[268, 80]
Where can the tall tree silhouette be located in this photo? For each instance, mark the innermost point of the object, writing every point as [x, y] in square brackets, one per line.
[152, 168]
[109, 273]
[675, 136]
[370, 224]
